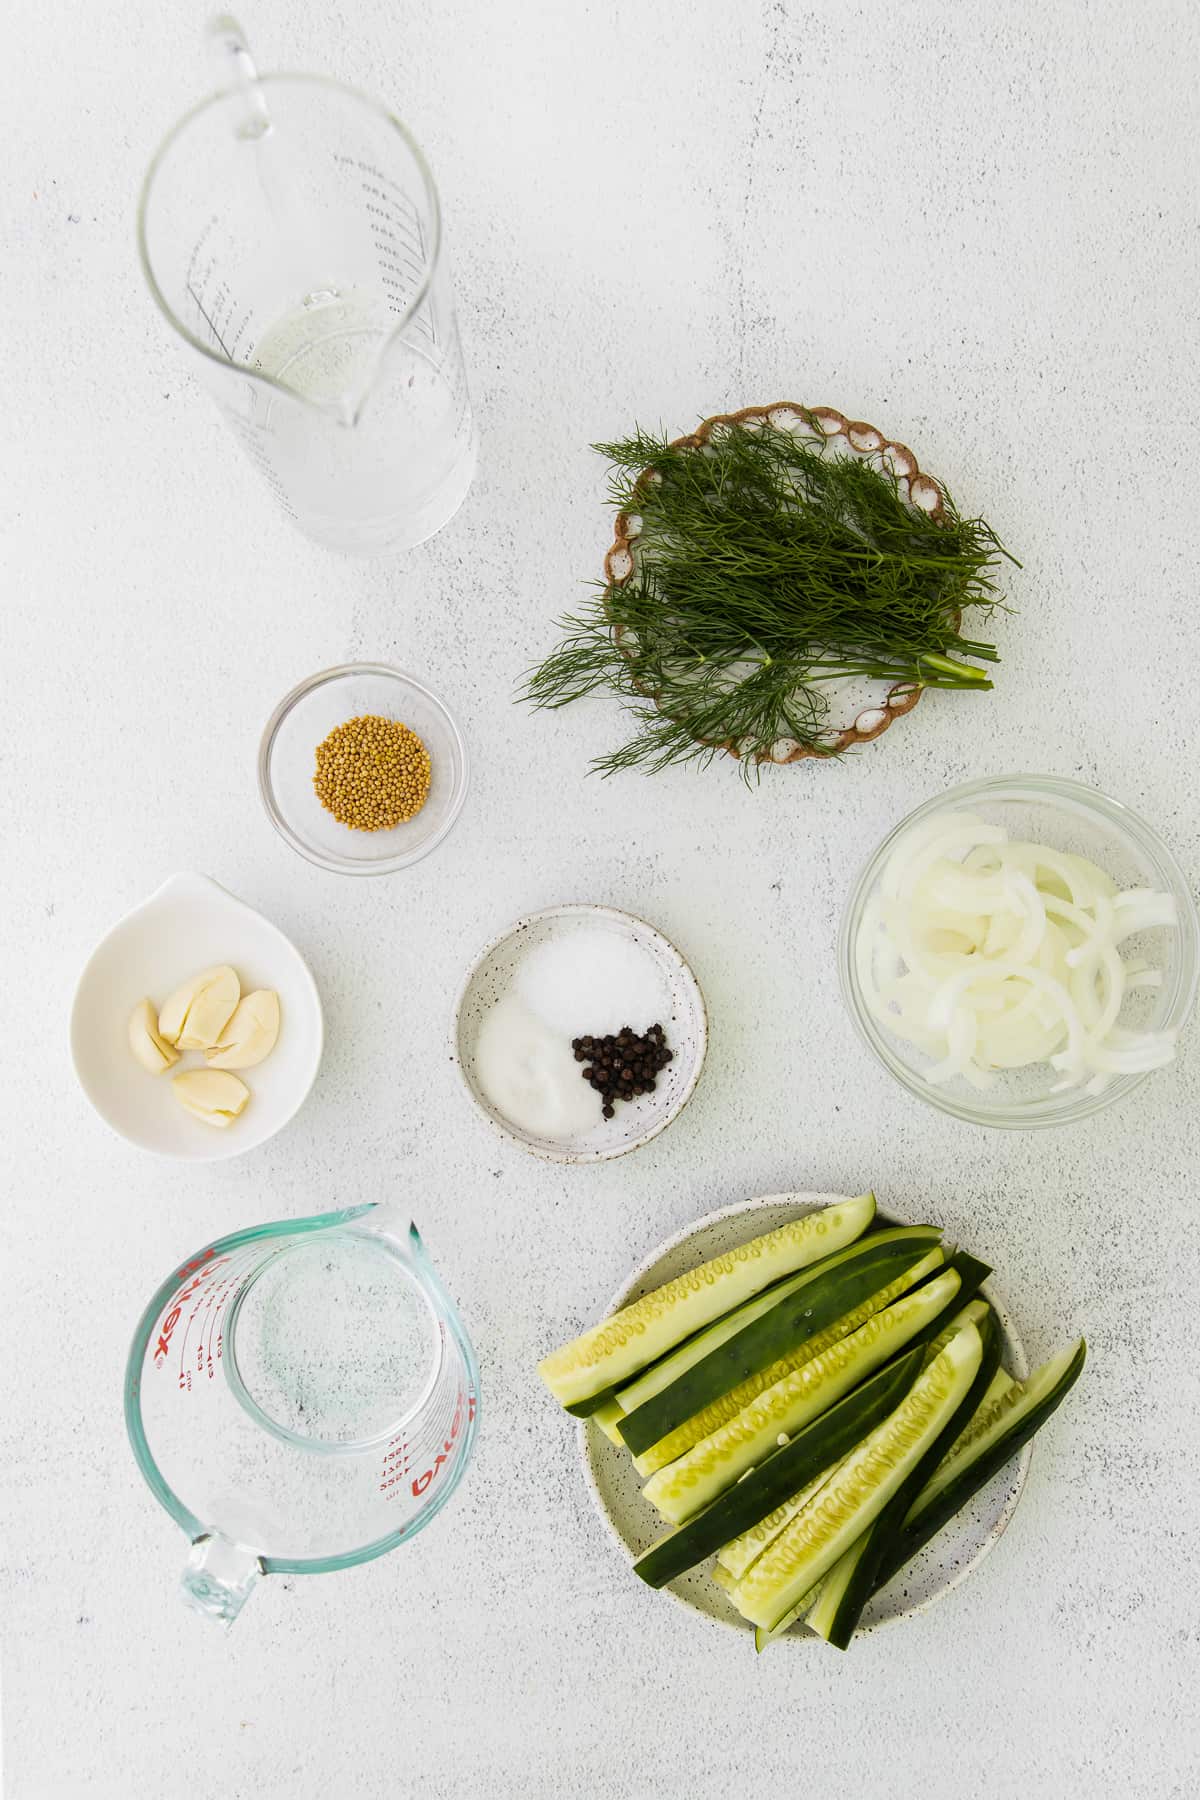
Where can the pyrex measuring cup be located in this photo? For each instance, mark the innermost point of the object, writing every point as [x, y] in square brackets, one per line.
[300, 1397]
[290, 232]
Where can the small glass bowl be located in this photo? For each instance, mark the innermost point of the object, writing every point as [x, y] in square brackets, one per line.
[287, 763]
[1063, 815]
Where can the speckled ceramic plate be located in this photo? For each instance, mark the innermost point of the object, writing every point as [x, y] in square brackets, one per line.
[685, 1021]
[945, 1561]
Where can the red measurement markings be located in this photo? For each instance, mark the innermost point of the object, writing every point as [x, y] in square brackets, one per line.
[209, 1297]
[205, 1360]
[463, 1412]
[172, 1316]
[395, 1464]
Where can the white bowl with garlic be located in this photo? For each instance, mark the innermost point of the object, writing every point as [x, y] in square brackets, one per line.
[196, 1030]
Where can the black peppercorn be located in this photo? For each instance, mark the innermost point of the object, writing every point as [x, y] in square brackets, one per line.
[622, 1066]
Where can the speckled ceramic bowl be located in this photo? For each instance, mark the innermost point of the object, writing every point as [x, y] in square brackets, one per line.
[685, 1021]
[634, 1524]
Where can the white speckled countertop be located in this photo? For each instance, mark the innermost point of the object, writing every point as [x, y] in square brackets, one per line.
[974, 225]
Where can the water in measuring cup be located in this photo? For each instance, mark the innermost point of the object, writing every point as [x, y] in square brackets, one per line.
[333, 1342]
[400, 468]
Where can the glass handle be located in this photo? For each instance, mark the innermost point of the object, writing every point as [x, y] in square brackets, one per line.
[235, 69]
[218, 1576]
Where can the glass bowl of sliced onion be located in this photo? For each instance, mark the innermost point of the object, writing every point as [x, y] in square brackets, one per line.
[1021, 951]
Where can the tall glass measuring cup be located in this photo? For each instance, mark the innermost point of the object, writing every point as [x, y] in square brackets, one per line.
[300, 1397]
[290, 232]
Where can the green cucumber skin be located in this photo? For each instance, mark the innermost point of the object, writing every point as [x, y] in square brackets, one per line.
[838, 1516]
[833, 1434]
[777, 1291]
[583, 1409]
[864, 1267]
[971, 1275]
[763, 1639]
[831, 1595]
[864, 1577]
[608, 1354]
[976, 1475]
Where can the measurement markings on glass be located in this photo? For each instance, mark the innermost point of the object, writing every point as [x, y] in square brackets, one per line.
[197, 1278]
[209, 1286]
[433, 1445]
[213, 1300]
[205, 1360]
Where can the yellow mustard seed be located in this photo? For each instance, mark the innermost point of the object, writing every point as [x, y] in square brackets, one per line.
[372, 773]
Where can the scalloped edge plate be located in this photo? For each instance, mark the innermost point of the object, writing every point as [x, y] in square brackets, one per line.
[841, 436]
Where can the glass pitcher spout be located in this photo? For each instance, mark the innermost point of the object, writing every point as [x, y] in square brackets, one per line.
[290, 232]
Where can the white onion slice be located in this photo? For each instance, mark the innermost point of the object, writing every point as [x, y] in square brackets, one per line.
[986, 955]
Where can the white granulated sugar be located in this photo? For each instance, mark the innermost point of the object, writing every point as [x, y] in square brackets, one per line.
[589, 980]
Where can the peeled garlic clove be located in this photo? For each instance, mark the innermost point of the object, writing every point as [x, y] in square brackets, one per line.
[196, 1014]
[151, 1049]
[250, 1034]
[211, 1095]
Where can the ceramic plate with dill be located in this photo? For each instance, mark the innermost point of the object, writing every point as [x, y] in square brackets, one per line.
[765, 567]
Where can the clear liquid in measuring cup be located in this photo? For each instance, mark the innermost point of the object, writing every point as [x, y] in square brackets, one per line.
[411, 443]
[333, 1343]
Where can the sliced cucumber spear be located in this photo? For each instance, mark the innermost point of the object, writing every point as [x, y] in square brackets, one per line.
[971, 1276]
[971, 1466]
[608, 1418]
[718, 1460]
[668, 1369]
[727, 1406]
[851, 1501]
[828, 1596]
[999, 1389]
[973, 1313]
[735, 1558]
[609, 1353]
[773, 1327]
[851, 1582]
[763, 1638]
[827, 1440]
[1008, 1415]
[586, 1409]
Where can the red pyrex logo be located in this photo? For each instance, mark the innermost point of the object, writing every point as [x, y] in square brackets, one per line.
[395, 1463]
[168, 1325]
[421, 1482]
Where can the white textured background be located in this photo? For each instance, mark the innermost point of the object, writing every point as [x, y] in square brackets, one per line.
[973, 224]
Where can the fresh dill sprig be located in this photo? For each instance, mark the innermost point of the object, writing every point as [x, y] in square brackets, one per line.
[765, 568]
